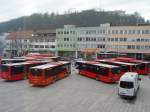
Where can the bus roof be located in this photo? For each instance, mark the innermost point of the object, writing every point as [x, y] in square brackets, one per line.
[88, 62]
[10, 59]
[141, 61]
[24, 63]
[106, 65]
[98, 64]
[50, 65]
[15, 64]
[118, 62]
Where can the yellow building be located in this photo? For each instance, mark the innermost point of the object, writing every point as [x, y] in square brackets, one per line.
[133, 40]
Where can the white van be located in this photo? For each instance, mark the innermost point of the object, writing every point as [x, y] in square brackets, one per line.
[129, 84]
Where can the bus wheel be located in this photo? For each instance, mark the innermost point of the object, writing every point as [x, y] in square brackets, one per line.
[97, 78]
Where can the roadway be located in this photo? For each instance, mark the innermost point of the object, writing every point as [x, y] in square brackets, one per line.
[72, 94]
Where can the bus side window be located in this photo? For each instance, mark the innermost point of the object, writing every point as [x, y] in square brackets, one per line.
[142, 66]
[104, 71]
[17, 69]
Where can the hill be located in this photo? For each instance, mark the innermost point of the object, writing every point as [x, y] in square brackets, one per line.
[83, 18]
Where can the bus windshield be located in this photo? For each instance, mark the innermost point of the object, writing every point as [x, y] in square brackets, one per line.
[4, 68]
[115, 70]
[35, 72]
[126, 84]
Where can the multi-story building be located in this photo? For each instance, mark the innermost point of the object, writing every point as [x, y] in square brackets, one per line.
[21, 42]
[43, 41]
[132, 40]
[17, 43]
[66, 41]
[77, 41]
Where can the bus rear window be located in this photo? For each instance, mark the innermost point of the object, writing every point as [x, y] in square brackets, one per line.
[35, 72]
[17, 69]
[4, 68]
[126, 84]
[115, 70]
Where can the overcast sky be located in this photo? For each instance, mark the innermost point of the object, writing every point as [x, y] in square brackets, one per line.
[10, 9]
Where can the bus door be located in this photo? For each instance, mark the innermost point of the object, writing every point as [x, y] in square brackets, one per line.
[115, 73]
[141, 68]
[104, 74]
[148, 68]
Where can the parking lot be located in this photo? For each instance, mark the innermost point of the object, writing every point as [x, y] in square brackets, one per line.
[72, 94]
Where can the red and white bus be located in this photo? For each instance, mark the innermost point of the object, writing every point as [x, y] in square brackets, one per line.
[49, 73]
[131, 67]
[17, 71]
[144, 66]
[103, 72]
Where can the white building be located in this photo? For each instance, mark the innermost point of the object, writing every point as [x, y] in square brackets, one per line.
[21, 42]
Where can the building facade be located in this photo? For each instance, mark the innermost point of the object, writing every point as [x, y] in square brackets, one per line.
[21, 42]
[43, 41]
[17, 43]
[131, 40]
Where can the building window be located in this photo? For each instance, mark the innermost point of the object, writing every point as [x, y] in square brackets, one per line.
[138, 32]
[129, 47]
[125, 32]
[116, 39]
[52, 46]
[146, 31]
[137, 47]
[138, 40]
[36, 46]
[130, 32]
[121, 31]
[143, 31]
[125, 39]
[66, 39]
[41, 46]
[113, 32]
